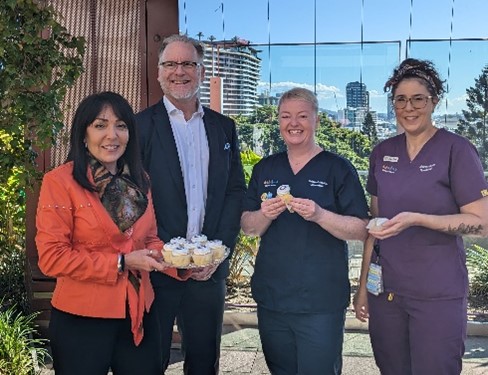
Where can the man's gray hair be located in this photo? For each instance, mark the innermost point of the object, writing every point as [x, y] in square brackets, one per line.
[184, 39]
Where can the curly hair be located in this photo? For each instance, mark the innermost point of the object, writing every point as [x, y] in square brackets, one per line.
[423, 70]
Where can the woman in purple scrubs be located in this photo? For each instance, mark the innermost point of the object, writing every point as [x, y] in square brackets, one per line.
[429, 183]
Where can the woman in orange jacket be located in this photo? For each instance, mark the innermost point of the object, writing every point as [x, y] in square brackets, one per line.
[96, 233]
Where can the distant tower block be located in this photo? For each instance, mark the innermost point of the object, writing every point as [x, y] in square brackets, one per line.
[216, 94]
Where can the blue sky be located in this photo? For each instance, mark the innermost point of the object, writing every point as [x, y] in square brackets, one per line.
[340, 21]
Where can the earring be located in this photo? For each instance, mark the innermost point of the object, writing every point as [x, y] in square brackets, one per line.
[84, 142]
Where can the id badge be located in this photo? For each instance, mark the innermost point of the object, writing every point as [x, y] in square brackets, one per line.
[374, 284]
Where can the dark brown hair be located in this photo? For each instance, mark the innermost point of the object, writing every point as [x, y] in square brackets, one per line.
[422, 70]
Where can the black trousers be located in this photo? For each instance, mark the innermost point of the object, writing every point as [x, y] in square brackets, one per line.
[82, 346]
[198, 307]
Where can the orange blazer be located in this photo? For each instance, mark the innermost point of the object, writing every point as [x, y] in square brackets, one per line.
[78, 244]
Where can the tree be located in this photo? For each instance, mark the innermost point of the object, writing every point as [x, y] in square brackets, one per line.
[475, 121]
[330, 135]
[39, 61]
[352, 145]
[200, 35]
[369, 129]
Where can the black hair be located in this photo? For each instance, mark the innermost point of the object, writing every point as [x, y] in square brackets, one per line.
[86, 113]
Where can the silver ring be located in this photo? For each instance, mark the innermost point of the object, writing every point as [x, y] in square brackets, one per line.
[150, 252]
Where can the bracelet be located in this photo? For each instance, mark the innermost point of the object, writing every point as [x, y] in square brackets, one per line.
[120, 263]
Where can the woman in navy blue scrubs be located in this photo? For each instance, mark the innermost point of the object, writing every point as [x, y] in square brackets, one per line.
[300, 281]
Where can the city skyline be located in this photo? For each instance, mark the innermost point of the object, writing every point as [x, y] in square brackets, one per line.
[338, 57]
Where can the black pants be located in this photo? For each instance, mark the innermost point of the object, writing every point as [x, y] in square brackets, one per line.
[82, 346]
[199, 309]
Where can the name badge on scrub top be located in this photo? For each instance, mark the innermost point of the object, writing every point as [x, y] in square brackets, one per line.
[374, 283]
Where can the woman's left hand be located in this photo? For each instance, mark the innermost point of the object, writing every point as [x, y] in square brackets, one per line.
[204, 273]
[306, 208]
[145, 260]
[396, 225]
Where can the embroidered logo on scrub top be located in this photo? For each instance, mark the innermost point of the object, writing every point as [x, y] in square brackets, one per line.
[317, 183]
[388, 169]
[268, 183]
[426, 168]
[392, 159]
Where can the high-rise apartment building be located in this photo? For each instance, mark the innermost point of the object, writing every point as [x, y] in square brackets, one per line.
[357, 104]
[357, 96]
[238, 66]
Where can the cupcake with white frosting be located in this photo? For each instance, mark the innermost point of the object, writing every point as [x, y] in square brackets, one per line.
[180, 257]
[167, 251]
[217, 248]
[202, 256]
[284, 193]
[200, 239]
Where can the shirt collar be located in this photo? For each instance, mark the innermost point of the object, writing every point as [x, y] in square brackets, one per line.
[172, 110]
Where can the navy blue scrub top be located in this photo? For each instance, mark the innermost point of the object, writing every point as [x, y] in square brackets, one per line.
[300, 267]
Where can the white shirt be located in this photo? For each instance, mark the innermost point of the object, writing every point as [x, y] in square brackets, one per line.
[192, 145]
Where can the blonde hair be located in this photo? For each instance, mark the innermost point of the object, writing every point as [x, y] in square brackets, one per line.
[299, 93]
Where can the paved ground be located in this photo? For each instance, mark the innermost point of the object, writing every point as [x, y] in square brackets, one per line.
[241, 352]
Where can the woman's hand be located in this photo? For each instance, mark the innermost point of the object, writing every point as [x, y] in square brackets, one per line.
[145, 260]
[306, 208]
[396, 225]
[272, 208]
[360, 303]
[204, 273]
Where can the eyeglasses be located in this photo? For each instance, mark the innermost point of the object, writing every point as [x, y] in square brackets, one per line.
[417, 101]
[188, 66]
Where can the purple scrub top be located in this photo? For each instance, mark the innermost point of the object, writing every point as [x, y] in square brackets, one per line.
[444, 176]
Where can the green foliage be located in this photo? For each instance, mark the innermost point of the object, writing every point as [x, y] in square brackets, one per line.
[12, 279]
[369, 129]
[330, 135]
[20, 352]
[249, 159]
[475, 122]
[242, 261]
[350, 144]
[39, 61]
[477, 260]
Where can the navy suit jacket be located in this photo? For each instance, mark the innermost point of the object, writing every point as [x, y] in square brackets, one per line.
[226, 185]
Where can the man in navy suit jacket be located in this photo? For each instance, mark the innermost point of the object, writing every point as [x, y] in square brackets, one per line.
[192, 156]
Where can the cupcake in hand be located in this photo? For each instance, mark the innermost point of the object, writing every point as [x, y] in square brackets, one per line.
[284, 193]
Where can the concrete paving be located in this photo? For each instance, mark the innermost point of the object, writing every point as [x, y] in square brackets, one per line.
[241, 354]
[241, 351]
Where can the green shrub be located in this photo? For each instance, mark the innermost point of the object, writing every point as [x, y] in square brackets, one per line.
[20, 353]
[242, 261]
[477, 259]
[12, 286]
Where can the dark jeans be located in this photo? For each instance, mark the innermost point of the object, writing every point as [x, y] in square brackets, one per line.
[199, 309]
[304, 344]
[82, 346]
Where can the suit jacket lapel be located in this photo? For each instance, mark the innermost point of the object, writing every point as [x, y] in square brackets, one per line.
[166, 141]
[216, 163]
